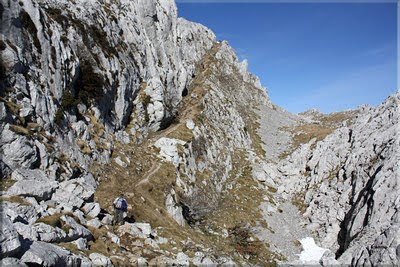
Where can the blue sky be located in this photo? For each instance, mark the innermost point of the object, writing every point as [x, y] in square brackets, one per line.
[329, 56]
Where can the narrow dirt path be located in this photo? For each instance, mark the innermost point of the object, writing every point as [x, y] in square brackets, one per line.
[150, 173]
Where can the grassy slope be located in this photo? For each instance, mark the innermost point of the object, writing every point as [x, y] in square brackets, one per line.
[146, 194]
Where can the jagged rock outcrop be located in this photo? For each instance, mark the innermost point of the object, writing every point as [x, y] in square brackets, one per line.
[9, 238]
[45, 254]
[77, 78]
[349, 183]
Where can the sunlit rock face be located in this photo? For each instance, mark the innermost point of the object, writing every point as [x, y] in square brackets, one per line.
[65, 65]
[349, 181]
[154, 101]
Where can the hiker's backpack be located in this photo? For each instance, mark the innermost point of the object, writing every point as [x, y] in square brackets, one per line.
[121, 204]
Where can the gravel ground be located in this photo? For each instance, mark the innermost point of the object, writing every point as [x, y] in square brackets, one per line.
[271, 121]
[287, 226]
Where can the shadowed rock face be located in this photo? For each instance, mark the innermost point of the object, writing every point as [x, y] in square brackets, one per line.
[99, 97]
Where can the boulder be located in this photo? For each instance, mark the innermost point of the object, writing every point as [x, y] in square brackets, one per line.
[41, 190]
[120, 162]
[47, 233]
[328, 259]
[87, 180]
[79, 127]
[107, 219]
[77, 230]
[45, 254]
[100, 260]
[94, 223]
[174, 209]
[169, 149]
[27, 174]
[14, 262]
[74, 192]
[114, 238]
[21, 152]
[182, 259]
[26, 231]
[141, 230]
[141, 262]
[81, 243]
[145, 228]
[9, 238]
[81, 216]
[40, 232]
[190, 124]
[92, 209]
[20, 213]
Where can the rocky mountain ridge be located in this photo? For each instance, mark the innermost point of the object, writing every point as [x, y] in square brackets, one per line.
[102, 97]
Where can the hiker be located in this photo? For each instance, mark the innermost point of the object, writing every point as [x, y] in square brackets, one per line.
[120, 207]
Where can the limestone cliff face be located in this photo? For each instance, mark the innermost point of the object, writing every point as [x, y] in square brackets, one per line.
[350, 183]
[99, 97]
[84, 82]
[124, 62]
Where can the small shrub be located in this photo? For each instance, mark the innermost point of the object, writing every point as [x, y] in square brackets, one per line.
[59, 117]
[241, 240]
[64, 39]
[68, 100]
[297, 243]
[84, 147]
[272, 189]
[99, 37]
[53, 220]
[62, 158]
[56, 221]
[89, 85]
[146, 100]
[56, 14]
[20, 130]
[298, 201]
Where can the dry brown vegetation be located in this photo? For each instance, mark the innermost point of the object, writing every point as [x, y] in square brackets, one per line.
[325, 124]
[15, 199]
[56, 221]
[146, 193]
[237, 212]
[298, 201]
[11, 106]
[6, 183]
[252, 125]
[84, 147]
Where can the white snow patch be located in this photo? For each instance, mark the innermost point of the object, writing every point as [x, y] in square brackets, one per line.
[311, 252]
